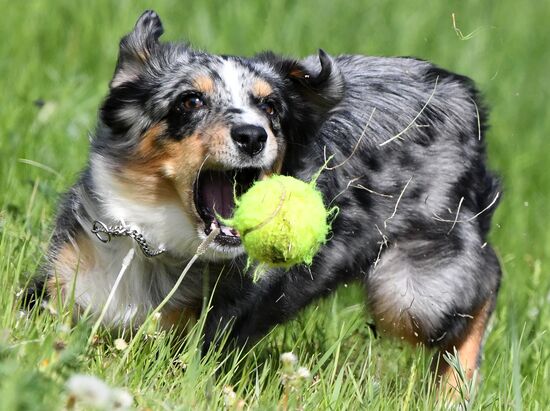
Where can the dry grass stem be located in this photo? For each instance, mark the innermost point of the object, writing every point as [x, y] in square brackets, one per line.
[415, 118]
[456, 216]
[455, 221]
[356, 144]
[397, 202]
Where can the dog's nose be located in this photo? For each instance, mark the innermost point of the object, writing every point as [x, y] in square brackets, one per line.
[250, 139]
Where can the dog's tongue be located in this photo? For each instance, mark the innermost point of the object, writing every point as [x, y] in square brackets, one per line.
[217, 193]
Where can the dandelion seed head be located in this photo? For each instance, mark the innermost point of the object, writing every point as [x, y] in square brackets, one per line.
[289, 358]
[120, 344]
[229, 396]
[303, 373]
[92, 392]
[121, 399]
[89, 390]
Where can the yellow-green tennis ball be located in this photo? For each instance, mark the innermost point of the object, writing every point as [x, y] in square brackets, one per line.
[282, 221]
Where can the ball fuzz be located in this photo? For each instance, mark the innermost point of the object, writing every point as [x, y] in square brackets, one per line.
[282, 221]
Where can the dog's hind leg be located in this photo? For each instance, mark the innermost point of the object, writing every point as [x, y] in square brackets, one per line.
[436, 293]
[468, 348]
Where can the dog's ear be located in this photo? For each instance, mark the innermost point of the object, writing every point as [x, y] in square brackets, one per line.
[317, 78]
[137, 47]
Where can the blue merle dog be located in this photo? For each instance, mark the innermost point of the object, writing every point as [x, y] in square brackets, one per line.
[180, 129]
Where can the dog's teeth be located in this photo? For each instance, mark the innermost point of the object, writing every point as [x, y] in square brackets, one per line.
[235, 232]
[226, 231]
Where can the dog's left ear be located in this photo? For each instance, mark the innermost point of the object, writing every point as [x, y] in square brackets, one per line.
[137, 47]
[317, 78]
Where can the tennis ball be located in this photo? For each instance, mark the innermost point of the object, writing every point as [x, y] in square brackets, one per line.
[282, 221]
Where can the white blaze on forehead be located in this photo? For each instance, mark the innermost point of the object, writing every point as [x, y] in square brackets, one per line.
[233, 76]
[237, 81]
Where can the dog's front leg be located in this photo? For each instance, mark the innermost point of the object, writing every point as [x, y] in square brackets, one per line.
[252, 309]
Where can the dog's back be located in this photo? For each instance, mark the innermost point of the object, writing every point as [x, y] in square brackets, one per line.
[401, 119]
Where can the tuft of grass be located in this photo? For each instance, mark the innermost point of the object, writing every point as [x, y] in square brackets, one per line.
[56, 61]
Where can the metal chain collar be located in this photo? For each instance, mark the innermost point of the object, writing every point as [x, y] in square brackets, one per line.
[105, 233]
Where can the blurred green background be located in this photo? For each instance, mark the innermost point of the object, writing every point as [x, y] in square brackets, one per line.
[56, 59]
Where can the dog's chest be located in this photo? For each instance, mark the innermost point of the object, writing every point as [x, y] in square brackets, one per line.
[144, 284]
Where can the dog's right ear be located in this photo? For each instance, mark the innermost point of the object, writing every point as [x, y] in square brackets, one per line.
[137, 47]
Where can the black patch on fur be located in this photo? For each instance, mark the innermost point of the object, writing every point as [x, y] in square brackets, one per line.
[182, 123]
[128, 95]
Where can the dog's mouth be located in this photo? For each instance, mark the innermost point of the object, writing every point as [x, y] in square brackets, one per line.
[214, 195]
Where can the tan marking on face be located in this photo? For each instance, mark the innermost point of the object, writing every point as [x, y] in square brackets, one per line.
[261, 88]
[218, 144]
[182, 165]
[204, 84]
[149, 148]
[468, 349]
[143, 179]
[165, 170]
[73, 259]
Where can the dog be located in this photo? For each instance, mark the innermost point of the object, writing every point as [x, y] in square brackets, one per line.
[401, 148]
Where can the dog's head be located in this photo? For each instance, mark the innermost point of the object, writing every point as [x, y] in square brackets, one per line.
[183, 129]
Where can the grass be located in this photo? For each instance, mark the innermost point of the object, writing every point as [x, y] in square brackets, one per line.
[56, 58]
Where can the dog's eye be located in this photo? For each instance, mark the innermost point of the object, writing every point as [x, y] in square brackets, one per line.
[193, 101]
[267, 107]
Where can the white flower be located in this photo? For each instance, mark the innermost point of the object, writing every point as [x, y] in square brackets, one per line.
[120, 344]
[92, 392]
[303, 373]
[229, 397]
[121, 399]
[289, 359]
